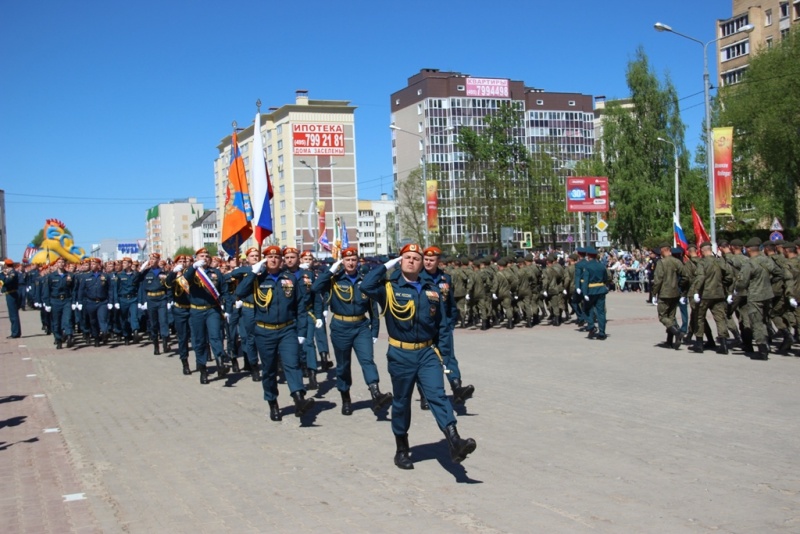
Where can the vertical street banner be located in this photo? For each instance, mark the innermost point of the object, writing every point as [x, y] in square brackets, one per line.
[723, 170]
[432, 204]
[321, 230]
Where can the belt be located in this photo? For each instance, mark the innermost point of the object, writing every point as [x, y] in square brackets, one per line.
[597, 284]
[181, 306]
[274, 326]
[127, 296]
[62, 297]
[196, 307]
[156, 293]
[97, 300]
[248, 305]
[350, 318]
[409, 346]
[11, 291]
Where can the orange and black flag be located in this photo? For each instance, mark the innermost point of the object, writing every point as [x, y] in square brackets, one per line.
[236, 227]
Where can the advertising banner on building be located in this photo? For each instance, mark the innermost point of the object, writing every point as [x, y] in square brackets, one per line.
[587, 193]
[432, 204]
[318, 139]
[488, 87]
[723, 171]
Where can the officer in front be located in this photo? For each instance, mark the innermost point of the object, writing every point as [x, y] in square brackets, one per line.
[10, 283]
[57, 300]
[93, 294]
[595, 287]
[415, 321]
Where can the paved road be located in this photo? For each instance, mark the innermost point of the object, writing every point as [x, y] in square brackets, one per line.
[573, 436]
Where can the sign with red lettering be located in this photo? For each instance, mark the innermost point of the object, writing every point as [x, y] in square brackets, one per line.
[488, 87]
[587, 193]
[318, 139]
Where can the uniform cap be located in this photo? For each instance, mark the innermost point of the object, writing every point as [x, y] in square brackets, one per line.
[157, 256]
[503, 262]
[349, 252]
[737, 243]
[432, 251]
[694, 247]
[791, 247]
[723, 243]
[126, 258]
[8, 262]
[590, 250]
[307, 254]
[705, 244]
[551, 257]
[202, 250]
[779, 242]
[411, 247]
[272, 250]
[249, 250]
[664, 245]
[457, 261]
[573, 256]
[580, 250]
[753, 242]
[290, 250]
[96, 260]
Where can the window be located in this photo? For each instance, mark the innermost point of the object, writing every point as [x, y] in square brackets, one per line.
[269, 150]
[784, 33]
[419, 109]
[733, 26]
[460, 88]
[282, 189]
[419, 92]
[741, 48]
[283, 219]
[784, 10]
[571, 102]
[279, 129]
[768, 17]
[540, 102]
[280, 144]
[283, 236]
[769, 42]
[283, 204]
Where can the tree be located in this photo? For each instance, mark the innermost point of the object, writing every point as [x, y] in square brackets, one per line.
[185, 251]
[636, 162]
[763, 110]
[547, 205]
[410, 206]
[213, 249]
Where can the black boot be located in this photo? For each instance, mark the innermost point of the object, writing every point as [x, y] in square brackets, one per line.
[326, 360]
[97, 342]
[722, 345]
[203, 374]
[763, 352]
[156, 348]
[222, 369]
[461, 393]
[58, 345]
[677, 338]
[312, 379]
[254, 374]
[529, 322]
[301, 403]
[274, 411]
[423, 402]
[698, 346]
[379, 400]
[510, 323]
[786, 343]
[347, 404]
[165, 345]
[70, 341]
[459, 448]
[747, 340]
[186, 370]
[235, 365]
[402, 457]
[485, 324]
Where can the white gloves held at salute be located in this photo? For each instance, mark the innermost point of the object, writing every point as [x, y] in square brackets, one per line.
[335, 266]
[391, 263]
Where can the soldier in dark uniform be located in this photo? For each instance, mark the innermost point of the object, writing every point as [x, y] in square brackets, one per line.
[305, 279]
[10, 284]
[93, 297]
[666, 293]
[415, 321]
[351, 329]
[553, 288]
[126, 300]
[594, 289]
[779, 309]
[247, 322]
[320, 337]
[155, 288]
[281, 318]
[181, 308]
[57, 299]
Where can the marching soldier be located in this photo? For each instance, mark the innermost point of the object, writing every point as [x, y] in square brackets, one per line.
[181, 308]
[126, 300]
[320, 337]
[155, 289]
[57, 300]
[351, 330]
[501, 291]
[757, 276]
[553, 288]
[594, 289]
[10, 284]
[708, 290]
[93, 294]
[414, 311]
[779, 310]
[304, 279]
[246, 304]
[666, 293]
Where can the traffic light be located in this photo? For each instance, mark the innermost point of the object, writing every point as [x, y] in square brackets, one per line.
[527, 240]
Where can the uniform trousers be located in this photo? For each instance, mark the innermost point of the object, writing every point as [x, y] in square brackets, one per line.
[206, 328]
[666, 308]
[406, 368]
[597, 311]
[157, 318]
[180, 318]
[247, 327]
[272, 344]
[759, 315]
[14, 303]
[717, 307]
[129, 316]
[61, 318]
[347, 337]
[232, 328]
[96, 314]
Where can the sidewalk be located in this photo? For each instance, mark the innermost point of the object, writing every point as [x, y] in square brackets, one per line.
[573, 436]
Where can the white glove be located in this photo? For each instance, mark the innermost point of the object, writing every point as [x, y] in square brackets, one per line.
[144, 306]
[74, 306]
[391, 263]
[578, 290]
[655, 301]
[374, 340]
[36, 305]
[227, 316]
[793, 302]
[80, 306]
[169, 305]
[318, 323]
[544, 293]
[586, 298]
[199, 263]
[305, 266]
[467, 297]
[301, 340]
[30, 289]
[565, 291]
[494, 297]
[516, 297]
[682, 300]
[696, 298]
[144, 266]
[335, 267]
[238, 304]
[178, 268]
[110, 306]
[47, 309]
[116, 305]
[325, 314]
[729, 300]
[258, 266]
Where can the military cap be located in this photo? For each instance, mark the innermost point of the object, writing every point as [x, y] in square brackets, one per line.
[723, 243]
[705, 244]
[272, 250]
[411, 247]
[520, 260]
[307, 253]
[590, 250]
[737, 243]
[551, 257]
[8, 262]
[791, 247]
[753, 242]
[350, 252]
[502, 262]
[199, 251]
[471, 258]
[157, 256]
[529, 257]
[249, 250]
[664, 245]
[676, 251]
[581, 250]
[769, 244]
[691, 247]
[290, 250]
[573, 256]
[779, 242]
[432, 251]
[126, 258]
[457, 261]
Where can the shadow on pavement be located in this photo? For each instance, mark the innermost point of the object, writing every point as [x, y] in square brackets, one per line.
[11, 398]
[439, 452]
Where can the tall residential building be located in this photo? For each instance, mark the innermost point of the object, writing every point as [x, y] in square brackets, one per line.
[311, 156]
[169, 225]
[375, 226]
[205, 230]
[771, 19]
[435, 105]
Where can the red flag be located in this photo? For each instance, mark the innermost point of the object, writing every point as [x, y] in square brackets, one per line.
[700, 233]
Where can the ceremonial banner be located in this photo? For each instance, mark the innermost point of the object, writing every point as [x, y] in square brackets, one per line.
[238, 212]
[680, 237]
[345, 238]
[262, 188]
[432, 204]
[323, 233]
[700, 233]
[723, 170]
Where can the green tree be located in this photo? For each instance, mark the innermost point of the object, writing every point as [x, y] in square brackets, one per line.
[763, 110]
[213, 248]
[185, 251]
[547, 202]
[410, 206]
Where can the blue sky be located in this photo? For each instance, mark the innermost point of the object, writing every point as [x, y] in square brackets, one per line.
[108, 108]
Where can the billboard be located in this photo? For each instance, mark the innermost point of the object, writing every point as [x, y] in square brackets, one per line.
[432, 204]
[723, 170]
[488, 87]
[317, 139]
[587, 193]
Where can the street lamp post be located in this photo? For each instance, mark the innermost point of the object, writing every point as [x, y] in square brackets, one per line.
[709, 133]
[315, 171]
[424, 174]
[677, 196]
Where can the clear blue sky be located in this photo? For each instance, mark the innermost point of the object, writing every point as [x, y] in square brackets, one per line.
[108, 108]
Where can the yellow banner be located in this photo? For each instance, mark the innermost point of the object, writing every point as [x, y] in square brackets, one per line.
[432, 205]
[723, 171]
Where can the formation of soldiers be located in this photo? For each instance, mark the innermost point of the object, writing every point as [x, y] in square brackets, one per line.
[751, 289]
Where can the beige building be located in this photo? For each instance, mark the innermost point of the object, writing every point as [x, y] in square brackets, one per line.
[310, 152]
[376, 232]
[771, 20]
[169, 226]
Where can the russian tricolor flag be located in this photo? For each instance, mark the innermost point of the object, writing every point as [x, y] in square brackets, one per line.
[680, 237]
[261, 187]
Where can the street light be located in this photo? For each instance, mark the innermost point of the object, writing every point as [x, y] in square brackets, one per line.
[396, 128]
[677, 196]
[313, 231]
[709, 133]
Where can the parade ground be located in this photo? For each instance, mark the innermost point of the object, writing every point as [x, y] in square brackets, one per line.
[573, 436]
